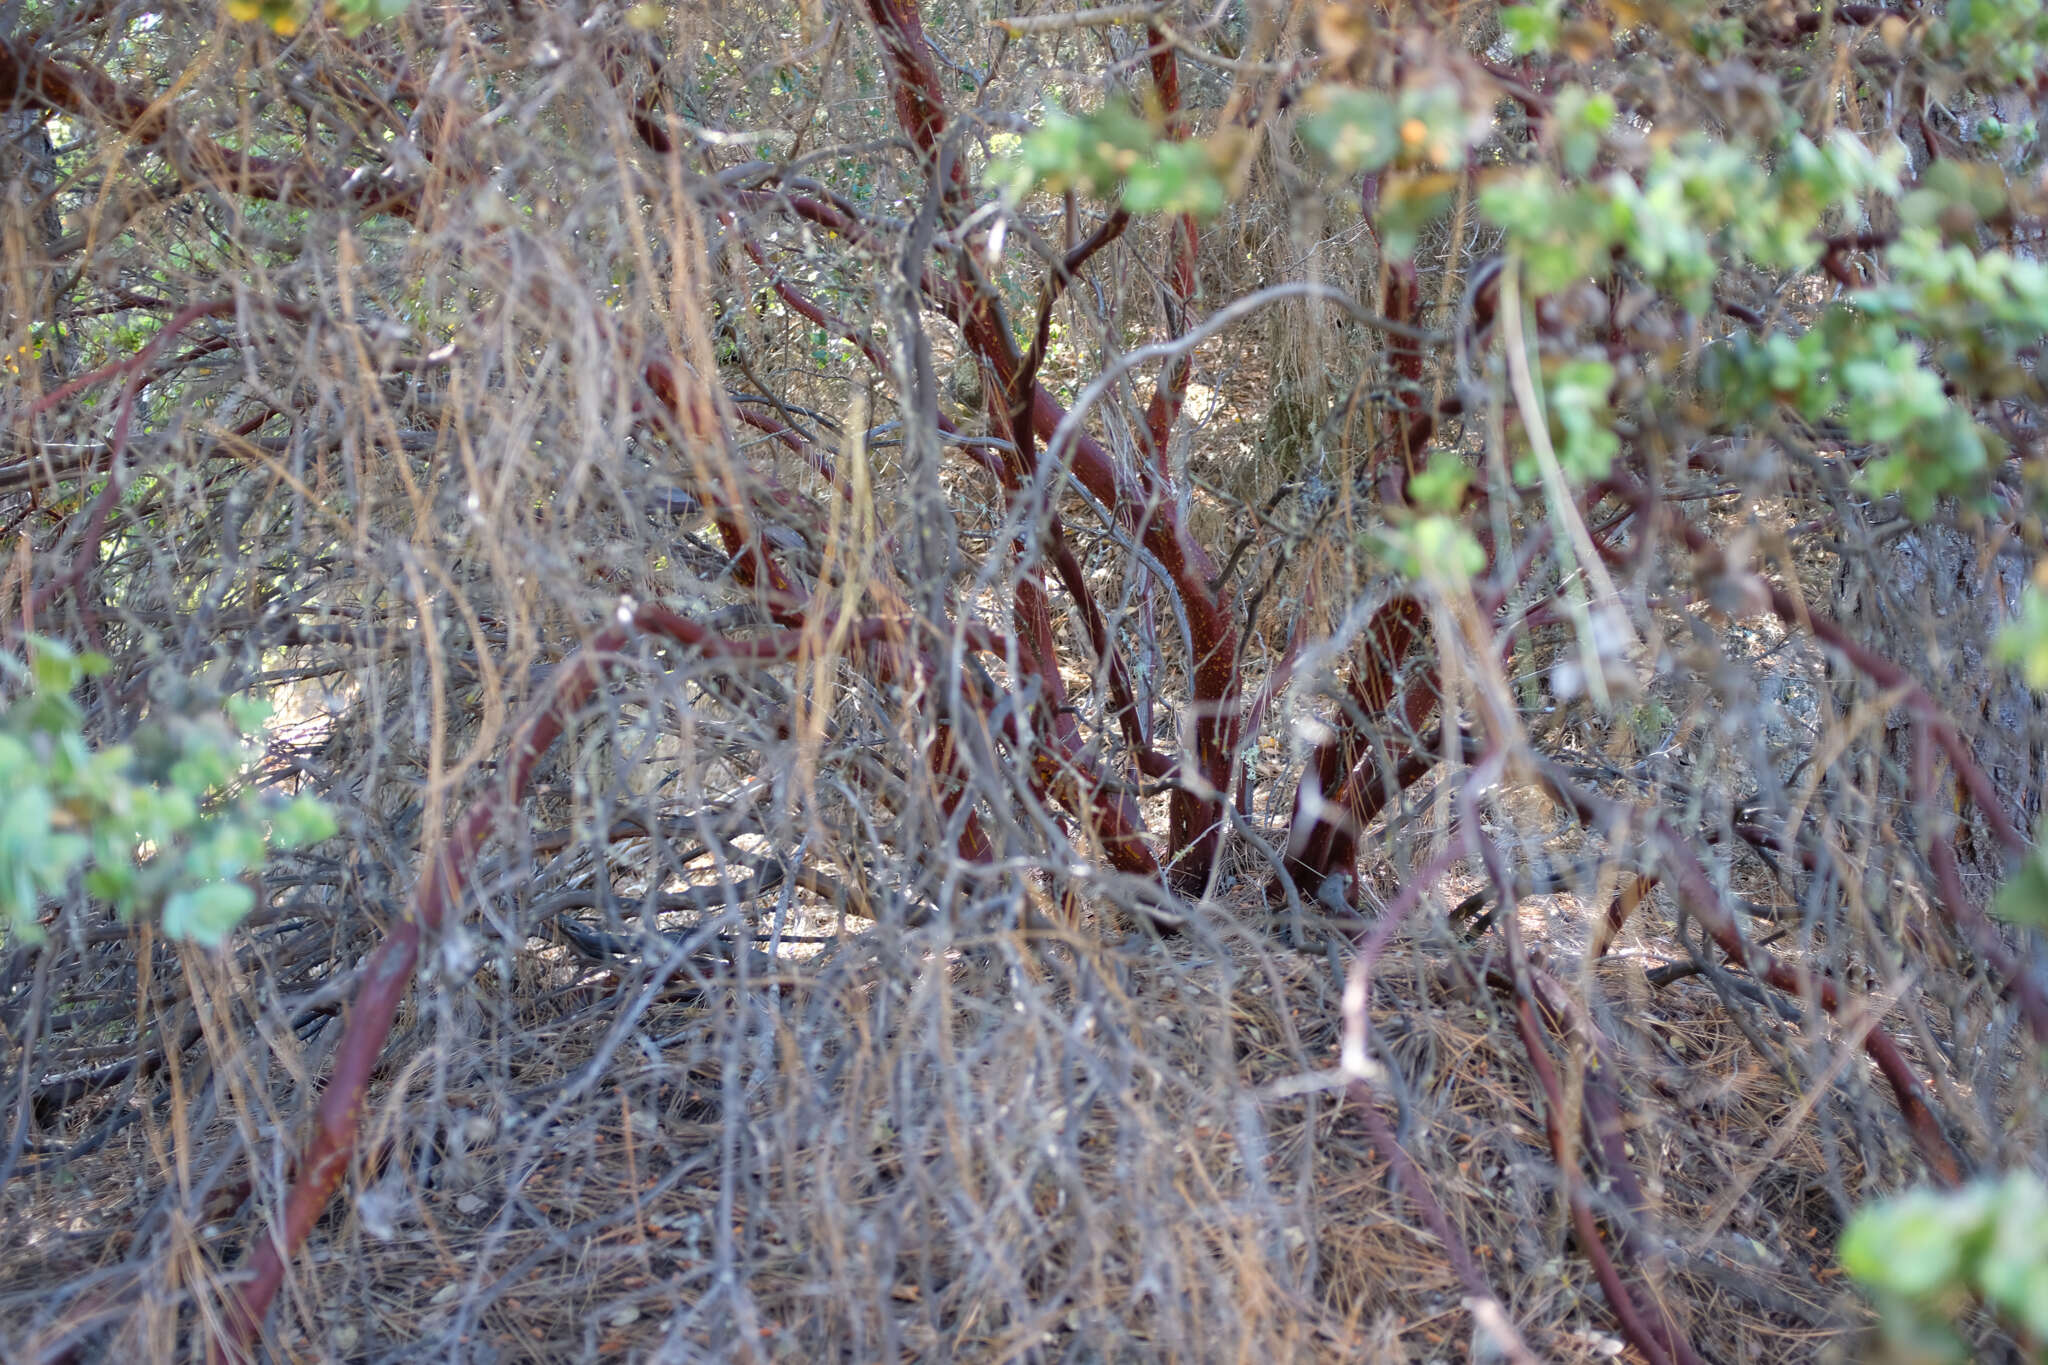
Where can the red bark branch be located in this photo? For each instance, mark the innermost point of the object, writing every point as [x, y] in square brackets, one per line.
[1869, 662]
[914, 78]
[1976, 928]
[1696, 889]
[31, 78]
[1164, 410]
[87, 553]
[1122, 831]
[1337, 797]
[388, 973]
[1196, 806]
[1357, 1019]
[1658, 1340]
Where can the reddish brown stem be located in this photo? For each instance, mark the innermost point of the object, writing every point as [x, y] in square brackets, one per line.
[1357, 1009]
[1867, 661]
[387, 975]
[1977, 929]
[1410, 1180]
[1322, 839]
[1323, 836]
[1056, 285]
[29, 77]
[87, 553]
[1123, 701]
[1696, 889]
[1659, 1341]
[1164, 410]
[914, 78]
[1064, 775]
[1195, 808]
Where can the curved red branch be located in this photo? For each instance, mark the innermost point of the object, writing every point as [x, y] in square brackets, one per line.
[1338, 796]
[1659, 1340]
[388, 972]
[1196, 805]
[29, 77]
[1165, 408]
[1864, 659]
[1977, 929]
[1690, 880]
[914, 78]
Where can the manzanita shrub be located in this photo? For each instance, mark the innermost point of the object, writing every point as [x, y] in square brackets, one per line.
[1223, 473]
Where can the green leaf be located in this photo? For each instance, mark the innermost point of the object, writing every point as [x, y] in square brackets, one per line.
[2024, 641]
[357, 15]
[1912, 1246]
[1091, 154]
[54, 666]
[1439, 550]
[1563, 235]
[1358, 130]
[1531, 27]
[304, 820]
[31, 846]
[283, 16]
[1924, 1253]
[2023, 900]
[208, 914]
[2013, 1271]
[1441, 487]
[1579, 120]
[113, 881]
[248, 713]
[230, 848]
[1578, 406]
[1408, 204]
[1177, 179]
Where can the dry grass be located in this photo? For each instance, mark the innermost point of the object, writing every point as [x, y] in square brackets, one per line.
[1007, 1146]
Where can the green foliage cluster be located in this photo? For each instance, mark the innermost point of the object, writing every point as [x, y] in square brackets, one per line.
[2024, 643]
[1698, 207]
[1581, 420]
[1926, 1255]
[1994, 41]
[1425, 124]
[1886, 362]
[1895, 366]
[1864, 374]
[1114, 154]
[146, 822]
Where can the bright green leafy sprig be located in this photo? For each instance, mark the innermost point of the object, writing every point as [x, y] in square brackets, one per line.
[1115, 154]
[1925, 1255]
[147, 824]
[1581, 420]
[1428, 540]
[2024, 641]
[1995, 42]
[2023, 900]
[1696, 203]
[1894, 367]
[1428, 124]
[1858, 370]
